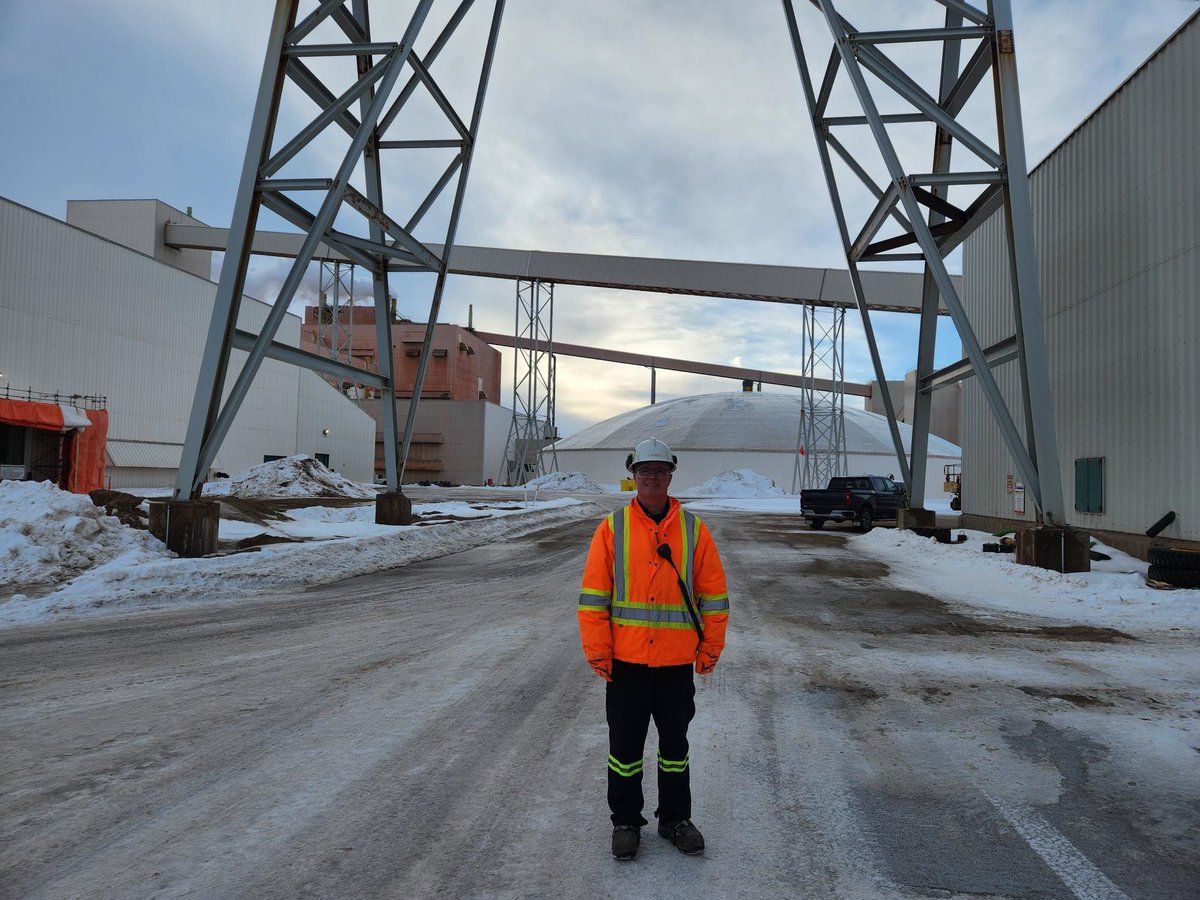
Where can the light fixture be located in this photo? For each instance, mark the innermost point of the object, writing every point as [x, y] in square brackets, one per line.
[325, 431]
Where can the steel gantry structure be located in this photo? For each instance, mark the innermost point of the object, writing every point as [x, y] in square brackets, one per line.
[919, 212]
[335, 316]
[532, 428]
[360, 85]
[923, 212]
[821, 442]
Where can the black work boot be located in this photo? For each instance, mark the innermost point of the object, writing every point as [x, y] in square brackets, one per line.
[684, 835]
[626, 839]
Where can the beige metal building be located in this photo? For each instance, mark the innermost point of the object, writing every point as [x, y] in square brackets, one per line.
[460, 441]
[945, 414]
[86, 314]
[1116, 211]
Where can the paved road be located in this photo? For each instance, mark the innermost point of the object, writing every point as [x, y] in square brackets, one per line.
[434, 731]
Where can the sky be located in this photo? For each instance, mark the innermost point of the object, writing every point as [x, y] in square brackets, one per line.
[634, 127]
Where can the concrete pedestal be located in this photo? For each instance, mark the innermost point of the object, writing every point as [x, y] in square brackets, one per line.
[187, 527]
[1059, 549]
[916, 518]
[393, 509]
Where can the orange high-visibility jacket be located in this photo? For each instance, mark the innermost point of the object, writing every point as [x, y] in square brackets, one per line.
[630, 605]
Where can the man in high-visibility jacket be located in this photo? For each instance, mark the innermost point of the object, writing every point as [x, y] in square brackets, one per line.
[653, 606]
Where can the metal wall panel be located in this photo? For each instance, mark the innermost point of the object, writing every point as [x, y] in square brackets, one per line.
[83, 315]
[1118, 235]
[143, 455]
[140, 225]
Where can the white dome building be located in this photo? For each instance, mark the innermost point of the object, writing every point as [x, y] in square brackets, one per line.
[713, 433]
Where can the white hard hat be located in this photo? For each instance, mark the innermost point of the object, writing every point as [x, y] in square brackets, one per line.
[651, 450]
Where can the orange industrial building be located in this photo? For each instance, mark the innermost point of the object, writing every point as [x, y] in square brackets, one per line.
[461, 429]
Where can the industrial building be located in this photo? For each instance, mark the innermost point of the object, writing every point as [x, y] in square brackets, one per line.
[945, 413]
[99, 314]
[1117, 230]
[461, 429]
[758, 430]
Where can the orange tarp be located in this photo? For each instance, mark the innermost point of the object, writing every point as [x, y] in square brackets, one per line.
[47, 416]
[86, 463]
[84, 447]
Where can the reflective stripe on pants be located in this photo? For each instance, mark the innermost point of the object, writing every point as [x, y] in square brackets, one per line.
[637, 694]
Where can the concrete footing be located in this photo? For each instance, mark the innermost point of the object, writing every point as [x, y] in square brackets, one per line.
[393, 509]
[1050, 547]
[187, 527]
[916, 518]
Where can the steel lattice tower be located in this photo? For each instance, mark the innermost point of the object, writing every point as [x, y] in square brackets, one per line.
[335, 316]
[922, 211]
[529, 451]
[821, 443]
[361, 83]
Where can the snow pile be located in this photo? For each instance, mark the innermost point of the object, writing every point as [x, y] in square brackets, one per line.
[293, 476]
[742, 483]
[339, 550]
[49, 535]
[1114, 594]
[574, 482]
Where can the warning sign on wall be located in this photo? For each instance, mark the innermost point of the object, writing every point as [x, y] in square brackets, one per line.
[1019, 498]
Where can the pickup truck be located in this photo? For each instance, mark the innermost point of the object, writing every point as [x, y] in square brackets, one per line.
[865, 499]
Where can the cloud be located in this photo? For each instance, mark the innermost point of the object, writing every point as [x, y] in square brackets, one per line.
[635, 127]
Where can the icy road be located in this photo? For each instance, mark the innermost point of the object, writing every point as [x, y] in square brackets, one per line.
[433, 730]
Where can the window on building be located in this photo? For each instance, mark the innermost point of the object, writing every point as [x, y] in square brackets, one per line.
[1089, 485]
[322, 458]
[269, 457]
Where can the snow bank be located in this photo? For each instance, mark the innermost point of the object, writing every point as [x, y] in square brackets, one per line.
[1114, 594]
[49, 535]
[294, 476]
[155, 583]
[574, 482]
[740, 483]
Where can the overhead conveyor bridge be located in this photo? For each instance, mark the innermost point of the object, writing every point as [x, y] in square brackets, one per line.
[683, 365]
[886, 291]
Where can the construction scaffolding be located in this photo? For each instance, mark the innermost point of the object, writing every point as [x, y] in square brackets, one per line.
[529, 451]
[821, 443]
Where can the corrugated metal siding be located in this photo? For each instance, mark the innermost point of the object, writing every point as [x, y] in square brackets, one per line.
[160, 482]
[350, 429]
[143, 455]
[83, 315]
[1118, 237]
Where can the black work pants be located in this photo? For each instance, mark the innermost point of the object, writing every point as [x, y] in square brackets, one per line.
[636, 694]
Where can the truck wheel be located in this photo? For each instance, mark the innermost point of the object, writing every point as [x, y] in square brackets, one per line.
[1184, 578]
[866, 519]
[816, 523]
[1175, 558]
[955, 503]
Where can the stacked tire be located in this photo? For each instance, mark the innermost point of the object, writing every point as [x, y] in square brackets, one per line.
[1175, 566]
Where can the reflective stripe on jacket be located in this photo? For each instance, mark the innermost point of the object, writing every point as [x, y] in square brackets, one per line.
[630, 604]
